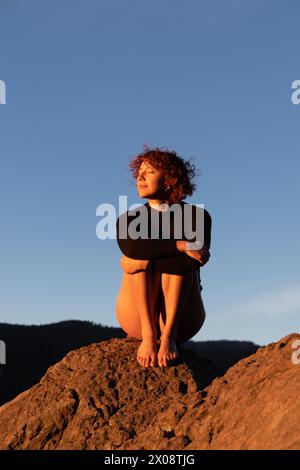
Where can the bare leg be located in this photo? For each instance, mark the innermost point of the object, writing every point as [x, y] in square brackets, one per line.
[176, 290]
[161, 303]
[193, 316]
[137, 312]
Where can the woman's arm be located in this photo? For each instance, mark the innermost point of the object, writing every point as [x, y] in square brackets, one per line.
[132, 266]
[170, 265]
[170, 256]
[192, 259]
[174, 264]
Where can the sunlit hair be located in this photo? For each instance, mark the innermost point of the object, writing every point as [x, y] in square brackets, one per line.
[178, 172]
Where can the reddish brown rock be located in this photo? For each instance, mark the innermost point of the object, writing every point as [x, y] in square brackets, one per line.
[99, 397]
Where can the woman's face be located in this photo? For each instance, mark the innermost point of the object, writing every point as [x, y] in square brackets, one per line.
[150, 182]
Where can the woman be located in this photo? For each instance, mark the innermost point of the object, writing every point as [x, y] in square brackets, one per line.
[160, 296]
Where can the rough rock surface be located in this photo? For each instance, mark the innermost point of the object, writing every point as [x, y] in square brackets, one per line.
[99, 397]
[32, 349]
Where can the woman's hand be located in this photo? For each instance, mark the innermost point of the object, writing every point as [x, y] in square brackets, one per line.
[201, 255]
[131, 266]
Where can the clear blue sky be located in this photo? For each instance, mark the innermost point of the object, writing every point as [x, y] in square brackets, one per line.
[88, 82]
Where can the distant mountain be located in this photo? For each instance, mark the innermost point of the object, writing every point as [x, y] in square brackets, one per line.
[31, 349]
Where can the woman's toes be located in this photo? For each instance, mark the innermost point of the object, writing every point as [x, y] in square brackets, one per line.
[154, 361]
[161, 362]
[140, 360]
[147, 353]
[166, 360]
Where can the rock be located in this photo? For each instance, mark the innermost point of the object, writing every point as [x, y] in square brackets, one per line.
[32, 349]
[99, 397]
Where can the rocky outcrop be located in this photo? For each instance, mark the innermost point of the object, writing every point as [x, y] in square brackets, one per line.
[99, 397]
[32, 349]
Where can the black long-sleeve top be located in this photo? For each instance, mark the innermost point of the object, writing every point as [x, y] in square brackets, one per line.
[162, 253]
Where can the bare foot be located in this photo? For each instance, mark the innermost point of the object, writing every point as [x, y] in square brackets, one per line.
[147, 352]
[168, 351]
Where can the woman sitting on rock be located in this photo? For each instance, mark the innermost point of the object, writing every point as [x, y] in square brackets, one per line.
[160, 300]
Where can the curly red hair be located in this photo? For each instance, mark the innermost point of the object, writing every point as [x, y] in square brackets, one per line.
[178, 172]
